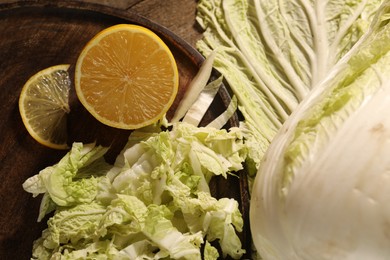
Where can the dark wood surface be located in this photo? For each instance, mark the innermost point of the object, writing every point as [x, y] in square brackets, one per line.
[38, 34]
[176, 15]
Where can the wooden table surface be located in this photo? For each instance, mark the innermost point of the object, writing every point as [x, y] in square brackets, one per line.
[176, 15]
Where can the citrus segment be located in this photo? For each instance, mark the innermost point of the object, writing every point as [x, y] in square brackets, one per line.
[126, 77]
[44, 104]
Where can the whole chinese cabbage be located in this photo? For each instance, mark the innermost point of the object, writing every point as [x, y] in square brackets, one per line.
[312, 79]
[323, 189]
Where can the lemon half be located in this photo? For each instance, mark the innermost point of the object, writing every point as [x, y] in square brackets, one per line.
[126, 77]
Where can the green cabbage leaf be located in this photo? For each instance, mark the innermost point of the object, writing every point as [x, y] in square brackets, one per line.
[273, 53]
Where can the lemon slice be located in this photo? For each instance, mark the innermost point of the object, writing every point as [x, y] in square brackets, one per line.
[44, 104]
[126, 77]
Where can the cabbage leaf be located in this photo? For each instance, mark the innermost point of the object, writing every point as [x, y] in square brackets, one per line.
[273, 53]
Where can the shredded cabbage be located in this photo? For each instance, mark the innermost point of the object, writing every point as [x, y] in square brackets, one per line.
[153, 203]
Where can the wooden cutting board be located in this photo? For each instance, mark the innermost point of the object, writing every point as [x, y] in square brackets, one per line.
[36, 35]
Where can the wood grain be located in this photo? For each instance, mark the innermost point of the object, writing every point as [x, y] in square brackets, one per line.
[38, 34]
[176, 15]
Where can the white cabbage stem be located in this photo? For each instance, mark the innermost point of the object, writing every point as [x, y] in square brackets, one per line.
[338, 204]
